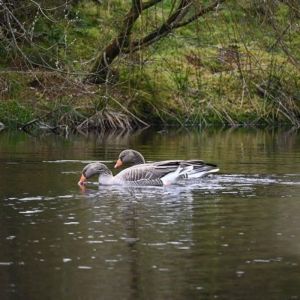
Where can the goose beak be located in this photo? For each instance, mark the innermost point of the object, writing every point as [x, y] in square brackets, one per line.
[118, 164]
[82, 180]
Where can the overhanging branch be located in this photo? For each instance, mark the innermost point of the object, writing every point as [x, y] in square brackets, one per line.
[122, 44]
[149, 4]
[200, 13]
[173, 22]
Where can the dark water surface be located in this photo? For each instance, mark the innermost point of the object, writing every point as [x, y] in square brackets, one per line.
[235, 235]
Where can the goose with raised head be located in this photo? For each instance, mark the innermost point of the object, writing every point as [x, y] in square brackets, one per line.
[199, 167]
[130, 156]
[157, 174]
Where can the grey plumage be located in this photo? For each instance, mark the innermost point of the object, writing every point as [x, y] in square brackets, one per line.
[198, 170]
[148, 174]
[140, 175]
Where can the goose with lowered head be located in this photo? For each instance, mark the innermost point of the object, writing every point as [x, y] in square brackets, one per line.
[153, 174]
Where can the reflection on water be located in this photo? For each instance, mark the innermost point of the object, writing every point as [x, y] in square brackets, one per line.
[232, 235]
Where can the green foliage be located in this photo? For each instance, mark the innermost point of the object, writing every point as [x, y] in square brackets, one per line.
[187, 77]
[13, 114]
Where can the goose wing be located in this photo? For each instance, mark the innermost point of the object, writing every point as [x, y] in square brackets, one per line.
[199, 169]
[177, 162]
[196, 168]
[146, 174]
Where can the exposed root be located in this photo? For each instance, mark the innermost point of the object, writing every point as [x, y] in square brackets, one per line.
[107, 119]
[65, 119]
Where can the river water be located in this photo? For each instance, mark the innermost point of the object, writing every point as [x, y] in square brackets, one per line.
[233, 235]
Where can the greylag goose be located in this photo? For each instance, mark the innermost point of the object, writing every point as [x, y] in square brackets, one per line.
[155, 174]
[200, 168]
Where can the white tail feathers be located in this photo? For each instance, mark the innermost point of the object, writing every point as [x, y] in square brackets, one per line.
[172, 177]
[199, 174]
[189, 171]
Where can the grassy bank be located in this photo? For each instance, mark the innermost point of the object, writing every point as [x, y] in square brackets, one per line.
[231, 67]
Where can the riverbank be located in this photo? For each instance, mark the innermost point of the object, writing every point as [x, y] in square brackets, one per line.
[217, 70]
[223, 99]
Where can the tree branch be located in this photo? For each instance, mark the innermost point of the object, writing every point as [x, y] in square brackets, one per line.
[163, 30]
[200, 13]
[122, 45]
[172, 23]
[150, 3]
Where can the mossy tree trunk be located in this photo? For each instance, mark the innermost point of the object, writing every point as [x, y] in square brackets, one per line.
[182, 13]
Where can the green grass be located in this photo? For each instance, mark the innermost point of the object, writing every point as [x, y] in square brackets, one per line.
[14, 114]
[181, 78]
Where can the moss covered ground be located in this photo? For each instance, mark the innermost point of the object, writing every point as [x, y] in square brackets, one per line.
[232, 67]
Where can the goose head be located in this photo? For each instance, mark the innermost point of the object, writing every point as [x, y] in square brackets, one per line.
[129, 156]
[93, 169]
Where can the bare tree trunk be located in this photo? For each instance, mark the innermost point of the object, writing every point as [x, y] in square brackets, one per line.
[122, 44]
[100, 69]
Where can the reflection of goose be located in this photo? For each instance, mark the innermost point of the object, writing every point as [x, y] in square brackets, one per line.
[199, 167]
[154, 174]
